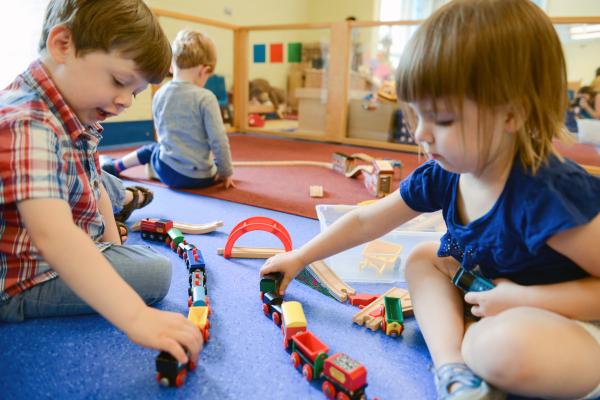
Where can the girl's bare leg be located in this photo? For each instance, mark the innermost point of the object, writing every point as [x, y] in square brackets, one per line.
[533, 352]
[437, 303]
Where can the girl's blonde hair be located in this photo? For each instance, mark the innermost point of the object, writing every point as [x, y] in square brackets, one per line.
[193, 48]
[495, 53]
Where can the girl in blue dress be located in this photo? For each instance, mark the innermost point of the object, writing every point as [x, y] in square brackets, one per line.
[487, 81]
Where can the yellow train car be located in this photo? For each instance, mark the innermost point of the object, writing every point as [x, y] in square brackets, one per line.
[293, 320]
[199, 317]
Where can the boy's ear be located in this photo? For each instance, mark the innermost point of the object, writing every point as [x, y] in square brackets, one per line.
[60, 43]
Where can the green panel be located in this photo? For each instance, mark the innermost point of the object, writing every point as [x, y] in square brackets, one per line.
[294, 52]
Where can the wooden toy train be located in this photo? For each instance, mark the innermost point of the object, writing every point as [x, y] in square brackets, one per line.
[343, 378]
[169, 372]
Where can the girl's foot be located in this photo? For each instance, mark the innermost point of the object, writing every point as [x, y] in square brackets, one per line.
[455, 381]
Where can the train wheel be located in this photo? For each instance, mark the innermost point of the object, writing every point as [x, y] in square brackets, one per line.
[286, 343]
[266, 310]
[162, 380]
[191, 365]
[307, 372]
[384, 326]
[342, 396]
[276, 318]
[262, 296]
[295, 359]
[190, 301]
[168, 241]
[181, 376]
[328, 389]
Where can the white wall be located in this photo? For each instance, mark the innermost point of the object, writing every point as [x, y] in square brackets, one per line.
[573, 8]
[582, 56]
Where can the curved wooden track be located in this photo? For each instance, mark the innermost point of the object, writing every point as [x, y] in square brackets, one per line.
[192, 229]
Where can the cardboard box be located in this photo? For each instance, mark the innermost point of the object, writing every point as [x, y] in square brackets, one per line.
[317, 78]
[312, 108]
[367, 120]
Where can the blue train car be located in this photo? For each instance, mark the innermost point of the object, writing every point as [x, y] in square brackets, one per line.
[194, 260]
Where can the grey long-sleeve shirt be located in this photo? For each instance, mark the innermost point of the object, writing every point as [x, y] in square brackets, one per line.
[190, 130]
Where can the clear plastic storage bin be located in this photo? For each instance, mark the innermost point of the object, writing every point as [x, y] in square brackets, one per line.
[381, 260]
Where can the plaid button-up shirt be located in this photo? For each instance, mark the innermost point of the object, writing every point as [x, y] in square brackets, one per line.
[45, 153]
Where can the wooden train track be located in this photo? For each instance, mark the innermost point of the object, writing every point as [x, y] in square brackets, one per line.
[284, 163]
[363, 317]
[337, 287]
[251, 252]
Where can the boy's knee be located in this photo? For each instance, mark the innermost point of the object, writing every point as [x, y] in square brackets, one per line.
[144, 269]
[159, 269]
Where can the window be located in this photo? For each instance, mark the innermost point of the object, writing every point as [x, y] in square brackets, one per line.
[392, 39]
[20, 29]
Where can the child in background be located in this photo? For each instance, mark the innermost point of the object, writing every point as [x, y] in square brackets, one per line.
[587, 103]
[57, 231]
[487, 80]
[192, 149]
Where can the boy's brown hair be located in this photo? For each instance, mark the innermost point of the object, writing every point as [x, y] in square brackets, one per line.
[496, 53]
[193, 48]
[125, 26]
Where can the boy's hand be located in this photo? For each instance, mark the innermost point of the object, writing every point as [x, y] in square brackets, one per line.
[505, 295]
[290, 264]
[168, 331]
[228, 182]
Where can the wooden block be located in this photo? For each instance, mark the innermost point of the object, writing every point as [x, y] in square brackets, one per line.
[316, 191]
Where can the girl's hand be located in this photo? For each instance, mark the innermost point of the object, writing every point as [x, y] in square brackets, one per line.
[165, 330]
[505, 295]
[290, 264]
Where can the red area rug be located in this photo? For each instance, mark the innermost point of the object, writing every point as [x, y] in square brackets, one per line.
[287, 188]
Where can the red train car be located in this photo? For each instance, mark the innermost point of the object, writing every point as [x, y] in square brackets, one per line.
[155, 229]
[345, 378]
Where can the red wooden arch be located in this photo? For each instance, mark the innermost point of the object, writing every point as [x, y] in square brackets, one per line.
[258, 224]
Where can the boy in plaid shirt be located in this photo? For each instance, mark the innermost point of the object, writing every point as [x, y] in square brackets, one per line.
[58, 239]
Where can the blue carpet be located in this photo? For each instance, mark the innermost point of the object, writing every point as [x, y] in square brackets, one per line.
[85, 357]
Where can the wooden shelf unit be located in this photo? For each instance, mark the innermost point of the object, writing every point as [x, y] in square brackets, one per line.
[338, 74]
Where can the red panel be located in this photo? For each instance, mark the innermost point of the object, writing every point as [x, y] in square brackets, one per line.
[276, 52]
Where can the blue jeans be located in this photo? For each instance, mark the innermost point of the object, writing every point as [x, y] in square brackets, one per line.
[115, 189]
[144, 269]
[150, 153]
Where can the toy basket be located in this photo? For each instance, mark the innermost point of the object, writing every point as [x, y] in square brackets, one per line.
[381, 260]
